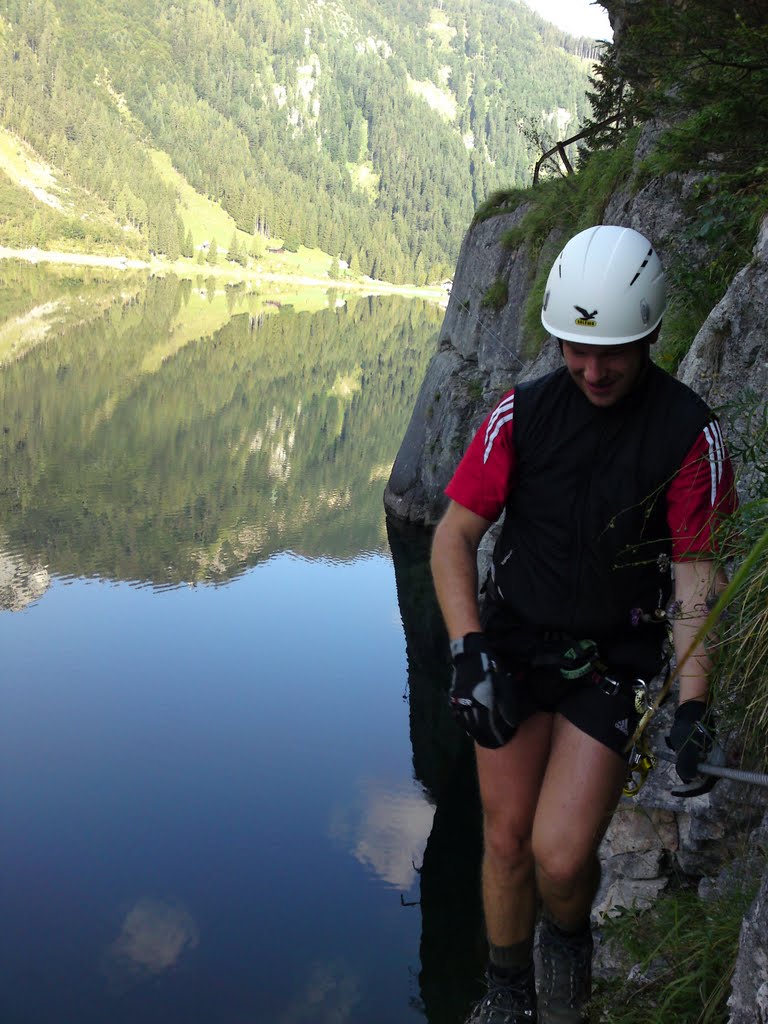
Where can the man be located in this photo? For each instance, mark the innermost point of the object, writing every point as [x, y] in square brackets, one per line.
[609, 471]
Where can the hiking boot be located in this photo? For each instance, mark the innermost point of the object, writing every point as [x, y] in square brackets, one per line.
[507, 1003]
[566, 975]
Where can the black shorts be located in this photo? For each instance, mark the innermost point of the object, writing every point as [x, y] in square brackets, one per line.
[607, 716]
[605, 712]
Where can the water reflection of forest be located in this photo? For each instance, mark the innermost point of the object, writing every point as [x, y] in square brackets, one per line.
[163, 431]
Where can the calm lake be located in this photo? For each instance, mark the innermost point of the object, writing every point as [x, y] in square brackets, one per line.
[230, 792]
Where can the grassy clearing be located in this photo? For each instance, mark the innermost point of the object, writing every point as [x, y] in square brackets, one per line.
[207, 220]
[200, 215]
[67, 217]
[681, 955]
[365, 178]
[438, 26]
[440, 100]
[27, 171]
[310, 262]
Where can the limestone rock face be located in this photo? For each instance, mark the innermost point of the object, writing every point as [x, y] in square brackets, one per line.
[730, 352]
[748, 1002]
[481, 355]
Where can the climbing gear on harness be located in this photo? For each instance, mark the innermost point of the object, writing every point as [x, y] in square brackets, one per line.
[657, 617]
[574, 659]
[641, 759]
[566, 979]
[605, 288]
[580, 659]
[512, 1002]
[481, 697]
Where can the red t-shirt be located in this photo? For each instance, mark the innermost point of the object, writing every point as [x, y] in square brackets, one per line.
[699, 495]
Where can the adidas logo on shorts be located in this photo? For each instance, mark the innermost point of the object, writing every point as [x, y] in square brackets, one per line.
[622, 726]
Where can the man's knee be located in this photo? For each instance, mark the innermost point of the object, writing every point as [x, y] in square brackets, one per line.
[506, 844]
[561, 867]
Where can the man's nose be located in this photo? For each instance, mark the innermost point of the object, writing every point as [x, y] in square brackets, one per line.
[593, 369]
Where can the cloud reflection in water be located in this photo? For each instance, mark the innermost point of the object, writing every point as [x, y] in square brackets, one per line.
[388, 831]
[154, 937]
[331, 994]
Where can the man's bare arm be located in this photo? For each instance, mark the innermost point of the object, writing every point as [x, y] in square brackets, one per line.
[698, 582]
[454, 568]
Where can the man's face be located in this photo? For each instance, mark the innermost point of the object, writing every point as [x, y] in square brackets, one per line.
[605, 373]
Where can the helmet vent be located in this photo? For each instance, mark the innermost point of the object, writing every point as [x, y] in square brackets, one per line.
[643, 265]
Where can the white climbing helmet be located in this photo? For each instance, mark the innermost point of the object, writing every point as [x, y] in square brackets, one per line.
[605, 288]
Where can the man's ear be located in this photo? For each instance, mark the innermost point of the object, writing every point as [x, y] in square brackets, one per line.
[653, 337]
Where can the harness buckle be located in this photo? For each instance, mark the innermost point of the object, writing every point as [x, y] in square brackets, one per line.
[609, 685]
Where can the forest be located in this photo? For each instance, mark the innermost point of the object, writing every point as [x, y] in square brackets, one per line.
[370, 130]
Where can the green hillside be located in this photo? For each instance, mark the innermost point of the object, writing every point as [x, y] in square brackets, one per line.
[368, 129]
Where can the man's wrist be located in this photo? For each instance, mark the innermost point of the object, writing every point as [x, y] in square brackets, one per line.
[469, 643]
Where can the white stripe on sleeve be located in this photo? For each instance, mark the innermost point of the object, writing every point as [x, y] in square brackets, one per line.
[503, 406]
[496, 422]
[716, 457]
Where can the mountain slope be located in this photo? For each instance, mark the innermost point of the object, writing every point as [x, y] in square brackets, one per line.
[368, 128]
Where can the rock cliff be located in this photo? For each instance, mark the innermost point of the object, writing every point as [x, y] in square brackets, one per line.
[482, 352]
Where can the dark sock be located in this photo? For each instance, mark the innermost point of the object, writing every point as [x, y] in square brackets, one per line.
[568, 933]
[508, 962]
[580, 937]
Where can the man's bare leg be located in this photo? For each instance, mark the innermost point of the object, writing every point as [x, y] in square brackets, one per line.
[581, 788]
[510, 779]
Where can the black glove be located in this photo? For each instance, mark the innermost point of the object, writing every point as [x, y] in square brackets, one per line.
[692, 736]
[481, 697]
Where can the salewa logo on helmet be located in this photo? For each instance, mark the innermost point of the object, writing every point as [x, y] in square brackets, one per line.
[586, 319]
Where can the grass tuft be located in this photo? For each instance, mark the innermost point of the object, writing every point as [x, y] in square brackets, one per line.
[678, 958]
[497, 295]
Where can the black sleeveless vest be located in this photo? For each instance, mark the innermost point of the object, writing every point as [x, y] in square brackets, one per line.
[585, 544]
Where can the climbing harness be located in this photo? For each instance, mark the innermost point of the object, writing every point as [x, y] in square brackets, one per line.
[582, 659]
